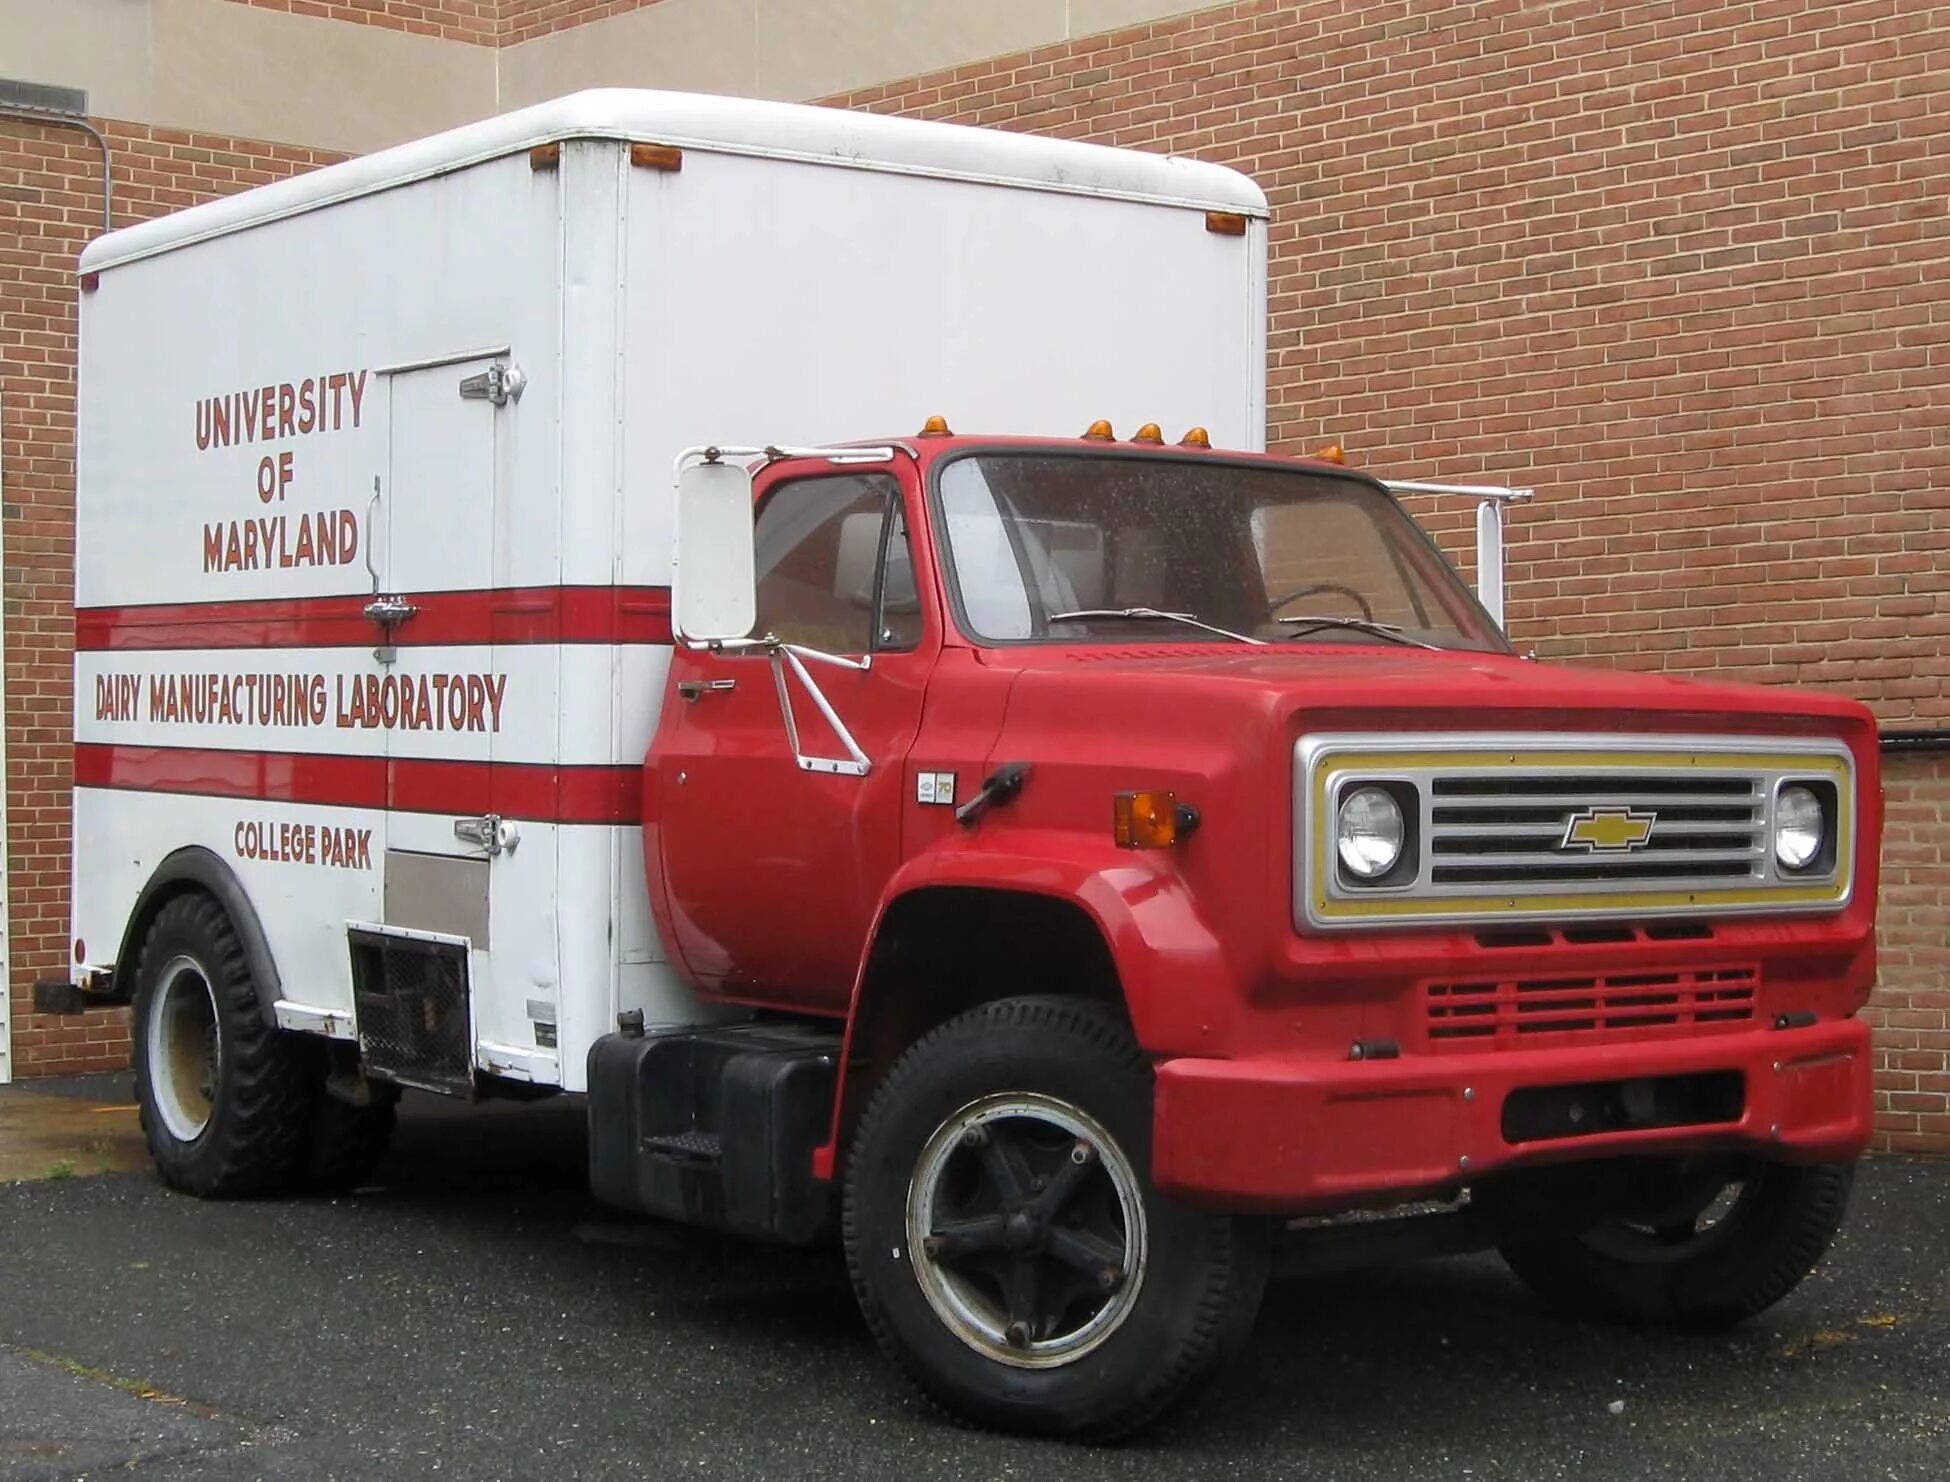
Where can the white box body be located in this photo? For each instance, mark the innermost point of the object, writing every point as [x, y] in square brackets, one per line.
[805, 276]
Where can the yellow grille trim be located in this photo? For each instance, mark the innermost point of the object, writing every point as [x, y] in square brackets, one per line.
[1337, 764]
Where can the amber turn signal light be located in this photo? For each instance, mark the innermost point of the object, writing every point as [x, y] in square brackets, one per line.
[1332, 453]
[1151, 820]
[657, 157]
[1099, 432]
[1149, 433]
[1225, 223]
[1198, 437]
[936, 426]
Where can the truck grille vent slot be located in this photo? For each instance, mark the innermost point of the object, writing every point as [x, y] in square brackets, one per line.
[411, 997]
[1539, 1013]
[1491, 831]
[1590, 936]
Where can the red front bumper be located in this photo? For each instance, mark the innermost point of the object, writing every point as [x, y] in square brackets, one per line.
[1292, 1135]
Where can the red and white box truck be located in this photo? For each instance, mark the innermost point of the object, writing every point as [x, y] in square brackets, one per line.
[537, 633]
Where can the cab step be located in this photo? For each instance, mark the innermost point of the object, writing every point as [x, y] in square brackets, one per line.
[715, 1127]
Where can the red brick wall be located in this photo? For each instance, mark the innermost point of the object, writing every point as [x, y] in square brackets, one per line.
[50, 206]
[1678, 263]
[1912, 1008]
[523, 20]
[456, 20]
[483, 22]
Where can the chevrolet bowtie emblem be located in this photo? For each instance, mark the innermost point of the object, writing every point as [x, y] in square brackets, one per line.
[1609, 830]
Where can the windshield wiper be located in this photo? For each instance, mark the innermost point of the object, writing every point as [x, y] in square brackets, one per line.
[1186, 618]
[1393, 632]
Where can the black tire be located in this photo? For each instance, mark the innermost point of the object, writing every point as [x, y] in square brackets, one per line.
[347, 1142]
[1645, 1267]
[1196, 1284]
[254, 1094]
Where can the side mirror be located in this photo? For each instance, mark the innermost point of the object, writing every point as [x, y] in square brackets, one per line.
[714, 594]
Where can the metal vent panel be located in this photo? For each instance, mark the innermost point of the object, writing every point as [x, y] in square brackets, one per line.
[43, 97]
[411, 998]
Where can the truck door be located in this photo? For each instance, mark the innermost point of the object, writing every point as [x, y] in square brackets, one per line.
[772, 863]
[469, 860]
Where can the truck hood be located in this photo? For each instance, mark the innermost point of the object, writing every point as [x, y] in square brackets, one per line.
[1417, 689]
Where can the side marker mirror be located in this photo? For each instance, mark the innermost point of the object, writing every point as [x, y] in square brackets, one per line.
[714, 593]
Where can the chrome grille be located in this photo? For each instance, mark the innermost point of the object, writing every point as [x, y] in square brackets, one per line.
[1487, 830]
[1560, 828]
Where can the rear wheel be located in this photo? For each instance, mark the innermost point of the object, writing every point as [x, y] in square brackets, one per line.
[1006, 1244]
[1694, 1243]
[225, 1098]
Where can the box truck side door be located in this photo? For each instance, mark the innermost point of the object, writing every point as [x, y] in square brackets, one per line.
[466, 697]
[772, 862]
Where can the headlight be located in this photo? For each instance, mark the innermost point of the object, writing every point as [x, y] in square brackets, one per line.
[1369, 832]
[1798, 828]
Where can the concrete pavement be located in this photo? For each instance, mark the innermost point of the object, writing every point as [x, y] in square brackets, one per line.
[474, 1314]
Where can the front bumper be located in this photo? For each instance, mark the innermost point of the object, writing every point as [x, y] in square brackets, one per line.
[1296, 1136]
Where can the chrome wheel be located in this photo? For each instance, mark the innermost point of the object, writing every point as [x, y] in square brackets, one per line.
[1026, 1228]
[184, 1051]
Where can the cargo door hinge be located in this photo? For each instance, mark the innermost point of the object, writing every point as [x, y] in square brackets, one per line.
[490, 832]
[500, 383]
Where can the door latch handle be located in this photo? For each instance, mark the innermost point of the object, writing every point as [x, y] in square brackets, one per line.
[491, 832]
[390, 611]
[697, 689]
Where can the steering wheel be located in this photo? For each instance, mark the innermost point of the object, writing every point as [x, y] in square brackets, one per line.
[1367, 612]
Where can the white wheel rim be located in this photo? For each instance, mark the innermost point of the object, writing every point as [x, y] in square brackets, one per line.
[968, 1303]
[184, 1050]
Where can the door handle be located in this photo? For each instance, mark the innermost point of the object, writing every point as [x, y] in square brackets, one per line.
[390, 611]
[697, 689]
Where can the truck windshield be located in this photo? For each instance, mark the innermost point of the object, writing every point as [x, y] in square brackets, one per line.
[1080, 548]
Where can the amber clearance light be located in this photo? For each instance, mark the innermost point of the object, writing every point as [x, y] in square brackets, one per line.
[1151, 820]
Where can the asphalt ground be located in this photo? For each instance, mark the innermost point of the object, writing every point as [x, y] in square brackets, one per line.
[475, 1314]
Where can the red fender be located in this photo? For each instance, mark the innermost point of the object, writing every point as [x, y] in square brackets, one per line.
[1172, 967]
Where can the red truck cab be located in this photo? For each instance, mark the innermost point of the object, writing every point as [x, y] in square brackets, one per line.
[1174, 829]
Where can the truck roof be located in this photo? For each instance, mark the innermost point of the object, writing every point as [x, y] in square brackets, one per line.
[815, 135]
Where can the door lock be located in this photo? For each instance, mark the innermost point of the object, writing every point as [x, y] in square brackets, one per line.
[389, 612]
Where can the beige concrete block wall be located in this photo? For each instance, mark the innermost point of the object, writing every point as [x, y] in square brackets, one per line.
[250, 70]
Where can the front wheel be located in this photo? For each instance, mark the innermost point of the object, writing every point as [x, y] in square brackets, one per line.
[1699, 1245]
[1006, 1245]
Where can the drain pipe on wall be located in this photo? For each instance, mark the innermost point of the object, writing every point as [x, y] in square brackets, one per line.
[66, 108]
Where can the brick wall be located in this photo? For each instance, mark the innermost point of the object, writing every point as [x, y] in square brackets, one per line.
[523, 20]
[50, 206]
[482, 22]
[1912, 1008]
